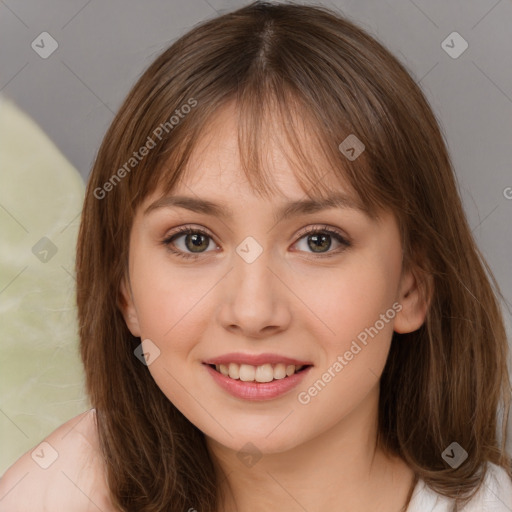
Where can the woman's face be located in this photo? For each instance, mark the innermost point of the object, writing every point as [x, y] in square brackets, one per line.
[259, 294]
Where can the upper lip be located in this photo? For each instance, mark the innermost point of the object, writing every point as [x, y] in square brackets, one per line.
[255, 359]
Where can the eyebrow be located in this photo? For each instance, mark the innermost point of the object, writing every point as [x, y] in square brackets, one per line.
[287, 210]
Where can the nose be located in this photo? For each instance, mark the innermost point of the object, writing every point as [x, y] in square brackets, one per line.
[254, 299]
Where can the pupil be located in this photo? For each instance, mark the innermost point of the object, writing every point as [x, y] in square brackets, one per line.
[322, 239]
[196, 242]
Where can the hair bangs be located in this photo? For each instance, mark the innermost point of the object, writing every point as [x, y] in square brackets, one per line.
[270, 114]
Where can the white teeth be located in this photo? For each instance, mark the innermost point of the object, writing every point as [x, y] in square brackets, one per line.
[247, 372]
[279, 371]
[262, 373]
[234, 370]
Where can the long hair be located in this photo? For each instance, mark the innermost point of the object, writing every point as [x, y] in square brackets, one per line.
[291, 68]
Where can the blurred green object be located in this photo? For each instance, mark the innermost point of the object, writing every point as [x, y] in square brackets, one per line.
[41, 376]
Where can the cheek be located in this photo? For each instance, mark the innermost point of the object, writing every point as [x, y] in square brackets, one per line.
[349, 300]
[358, 309]
[170, 302]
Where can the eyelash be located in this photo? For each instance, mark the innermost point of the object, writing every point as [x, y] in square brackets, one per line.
[187, 230]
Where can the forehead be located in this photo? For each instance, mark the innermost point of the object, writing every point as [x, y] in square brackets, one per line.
[246, 159]
[214, 182]
[215, 166]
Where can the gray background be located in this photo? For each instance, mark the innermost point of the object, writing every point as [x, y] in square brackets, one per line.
[105, 45]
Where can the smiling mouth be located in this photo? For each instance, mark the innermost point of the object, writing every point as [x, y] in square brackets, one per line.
[262, 373]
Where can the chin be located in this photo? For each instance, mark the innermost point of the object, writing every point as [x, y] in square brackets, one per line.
[258, 441]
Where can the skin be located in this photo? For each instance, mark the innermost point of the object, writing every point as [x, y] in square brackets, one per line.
[289, 301]
[74, 481]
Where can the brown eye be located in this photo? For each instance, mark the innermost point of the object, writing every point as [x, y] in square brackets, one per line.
[192, 242]
[196, 242]
[319, 241]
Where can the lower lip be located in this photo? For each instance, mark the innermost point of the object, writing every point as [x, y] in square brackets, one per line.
[257, 390]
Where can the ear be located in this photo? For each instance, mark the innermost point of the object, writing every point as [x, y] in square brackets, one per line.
[415, 294]
[127, 307]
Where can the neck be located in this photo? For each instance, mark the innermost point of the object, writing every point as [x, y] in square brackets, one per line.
[342, 465]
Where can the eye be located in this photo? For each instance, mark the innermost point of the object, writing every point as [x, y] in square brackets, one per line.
[195, 240]
[319, 240]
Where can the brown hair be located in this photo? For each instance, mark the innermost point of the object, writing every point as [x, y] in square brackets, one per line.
[287, 65]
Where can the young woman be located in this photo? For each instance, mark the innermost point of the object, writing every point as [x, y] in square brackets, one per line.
[281, 303]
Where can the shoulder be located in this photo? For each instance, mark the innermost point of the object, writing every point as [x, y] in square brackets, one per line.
[63, 472]
[494, 495]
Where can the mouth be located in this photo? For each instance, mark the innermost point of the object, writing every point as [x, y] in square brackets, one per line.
[261, 373]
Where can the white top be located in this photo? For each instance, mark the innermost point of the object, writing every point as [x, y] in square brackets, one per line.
[495, 495]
